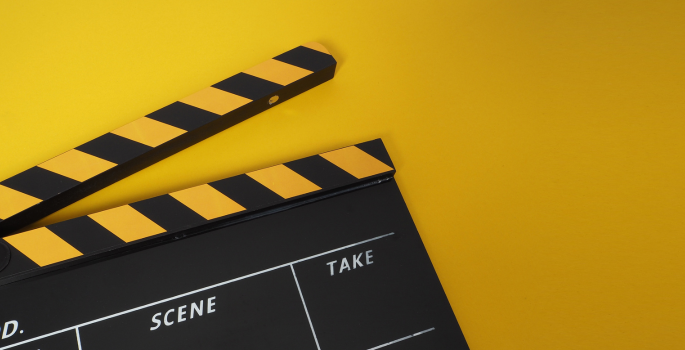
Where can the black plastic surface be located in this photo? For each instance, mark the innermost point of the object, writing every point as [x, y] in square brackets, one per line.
[4, 255]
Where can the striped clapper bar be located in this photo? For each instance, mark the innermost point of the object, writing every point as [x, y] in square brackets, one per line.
[194, 210]
[60, 181]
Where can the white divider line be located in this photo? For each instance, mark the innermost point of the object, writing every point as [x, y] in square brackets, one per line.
[401, 339]
[305, 308]
[78, 339]
[194, 292]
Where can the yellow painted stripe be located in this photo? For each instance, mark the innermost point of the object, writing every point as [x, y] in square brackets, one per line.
[13, 201]
[278, 72]
[127, 223]
[77, 165]
[42, 246]
[148, 132]
[207, 201]
[215, 100]
[356, 162]
[282, 180]
[316, 46]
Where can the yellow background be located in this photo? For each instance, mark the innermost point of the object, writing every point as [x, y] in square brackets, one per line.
[539, 144]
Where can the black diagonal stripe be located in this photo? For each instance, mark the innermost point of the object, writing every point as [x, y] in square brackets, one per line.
[40, 183]
[183, 116]
[248, 86]
[114, 148]
[18, 263]
[376, 149]
[246, 192]
[306, 58]
[321, 172]
[169, 213]
[85, 235]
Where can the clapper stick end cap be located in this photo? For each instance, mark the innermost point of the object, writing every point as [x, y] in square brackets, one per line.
[4, 255]
[316, 46]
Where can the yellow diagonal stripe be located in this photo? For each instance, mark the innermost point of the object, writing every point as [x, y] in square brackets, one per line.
[127, 223]
[215, 100]
[77, 165]
[13, 201]
[42, 246]
[356, 162]
[278, 72]
[148, 132]
[207, 201]
[282, 180]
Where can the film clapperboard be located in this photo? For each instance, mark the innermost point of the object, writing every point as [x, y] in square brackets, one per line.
[318, 253]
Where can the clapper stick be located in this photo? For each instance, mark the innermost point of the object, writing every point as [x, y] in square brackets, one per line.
[75, 174]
